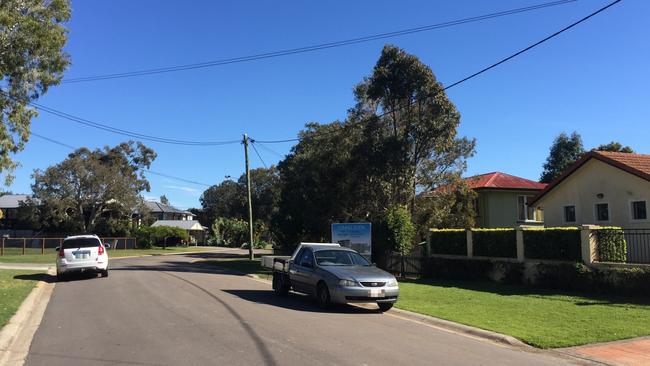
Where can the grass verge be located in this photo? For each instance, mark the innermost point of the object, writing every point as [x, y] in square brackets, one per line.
[14, 288]
[50, 255]
[241, 264]
[543, 319]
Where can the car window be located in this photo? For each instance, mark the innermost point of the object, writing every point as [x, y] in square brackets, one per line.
[340, 258]
[299, 256]
[307, 258]
[80, 243]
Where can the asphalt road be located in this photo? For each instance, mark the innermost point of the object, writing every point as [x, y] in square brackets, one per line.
[166, 311]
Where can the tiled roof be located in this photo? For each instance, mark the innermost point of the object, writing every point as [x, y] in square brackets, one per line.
[154, 206]
[635, 164]
[16, 200]
[183, 224]
[498, 180]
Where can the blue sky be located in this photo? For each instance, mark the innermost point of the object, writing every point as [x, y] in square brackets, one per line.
[591, 79]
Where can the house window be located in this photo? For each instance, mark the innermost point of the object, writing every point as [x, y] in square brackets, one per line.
[569, 213]
[524, 211]
[639, 211]
[602, 212]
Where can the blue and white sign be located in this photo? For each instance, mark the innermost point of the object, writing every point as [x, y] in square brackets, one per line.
[354, 235]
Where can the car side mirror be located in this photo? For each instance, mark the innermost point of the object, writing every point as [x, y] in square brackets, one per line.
[107, 246]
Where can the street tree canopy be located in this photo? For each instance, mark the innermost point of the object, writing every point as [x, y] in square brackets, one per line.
[92, 183]
[615, 147]
[32, 37]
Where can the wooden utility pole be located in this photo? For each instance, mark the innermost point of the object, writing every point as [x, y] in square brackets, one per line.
[251, 254]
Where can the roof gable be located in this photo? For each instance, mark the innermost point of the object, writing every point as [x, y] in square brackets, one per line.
[635, 164]
[498, 180]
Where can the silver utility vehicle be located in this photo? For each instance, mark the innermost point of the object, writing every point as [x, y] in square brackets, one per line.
[333, 274]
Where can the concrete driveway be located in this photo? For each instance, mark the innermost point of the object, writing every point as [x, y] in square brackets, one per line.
[167, 311]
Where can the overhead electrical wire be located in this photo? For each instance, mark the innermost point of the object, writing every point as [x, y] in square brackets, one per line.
[316, 47]
[146, 170]
[258, 154]
[506, 59]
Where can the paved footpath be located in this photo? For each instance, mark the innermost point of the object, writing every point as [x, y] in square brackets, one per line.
[634, 352]
[168, 311]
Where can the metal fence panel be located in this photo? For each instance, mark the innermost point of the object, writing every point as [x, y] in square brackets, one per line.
[638, 245]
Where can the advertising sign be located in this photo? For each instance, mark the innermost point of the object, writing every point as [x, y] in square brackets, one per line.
[356, 236]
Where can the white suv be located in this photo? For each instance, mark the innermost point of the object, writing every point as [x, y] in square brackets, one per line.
[81, 253]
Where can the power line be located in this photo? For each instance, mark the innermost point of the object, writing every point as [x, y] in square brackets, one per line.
[269, 149]
[506, 59]
[146, 170]
[128, 133]
[317, 47]
[258, 154]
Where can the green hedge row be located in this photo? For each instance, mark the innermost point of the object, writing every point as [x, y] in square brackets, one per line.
[448, 241]
[611, 246]
[552, 243]
[495, 243]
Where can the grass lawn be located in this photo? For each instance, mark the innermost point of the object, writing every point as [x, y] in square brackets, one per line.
[541, 318]
[13, 255]
[13, 291]
[242, 264]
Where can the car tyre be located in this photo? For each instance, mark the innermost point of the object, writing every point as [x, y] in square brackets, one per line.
[323, 296]
[385, 306]
[60, 277]
[280, 286]
[104, 273]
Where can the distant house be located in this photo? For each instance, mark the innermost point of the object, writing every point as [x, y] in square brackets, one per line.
[162, 211]
[504, 200]
[602, 188]
[193, 228]
[12, 205]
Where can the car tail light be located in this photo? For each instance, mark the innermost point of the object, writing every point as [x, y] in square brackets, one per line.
[101, 249]
[61, 252]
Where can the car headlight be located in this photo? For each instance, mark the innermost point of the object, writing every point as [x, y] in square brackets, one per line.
[348, 283]
[391, 283]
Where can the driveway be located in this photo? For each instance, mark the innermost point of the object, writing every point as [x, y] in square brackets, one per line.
[168, 311]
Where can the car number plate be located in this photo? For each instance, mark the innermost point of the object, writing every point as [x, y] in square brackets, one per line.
[81, 255]
[376, 293]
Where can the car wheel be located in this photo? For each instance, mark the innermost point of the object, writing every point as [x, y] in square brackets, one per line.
[105, 273]
[60, 277]
[323, 296]
[385, 306]
[280, 286]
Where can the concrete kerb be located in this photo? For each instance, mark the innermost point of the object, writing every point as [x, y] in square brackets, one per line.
[16, 336]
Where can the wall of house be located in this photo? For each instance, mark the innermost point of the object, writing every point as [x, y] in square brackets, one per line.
[500, 208]
[581, 188]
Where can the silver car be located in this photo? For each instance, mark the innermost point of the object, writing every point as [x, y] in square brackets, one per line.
[341, 275]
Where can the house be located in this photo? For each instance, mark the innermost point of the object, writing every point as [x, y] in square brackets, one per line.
[503, 200]
[195, 230]
[162, 211]
[14, 208]
[602, 188]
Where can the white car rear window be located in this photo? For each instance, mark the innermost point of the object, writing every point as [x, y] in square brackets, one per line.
[80, 243]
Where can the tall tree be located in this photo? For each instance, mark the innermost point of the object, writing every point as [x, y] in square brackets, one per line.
[92, 183]
[32, 37]
[164, 200]
[615, 146]
[565, 151]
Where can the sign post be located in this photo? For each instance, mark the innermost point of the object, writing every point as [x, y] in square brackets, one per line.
[357, 236]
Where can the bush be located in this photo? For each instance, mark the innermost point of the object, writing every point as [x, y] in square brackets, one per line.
[553, 243]
[495, 243]
[401, 229]
[230, 232]
[448, 241]
[611, 245]
[458, 269]
[148, 236]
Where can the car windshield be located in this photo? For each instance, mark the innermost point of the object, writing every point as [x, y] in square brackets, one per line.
[80, 243]
[339, 258]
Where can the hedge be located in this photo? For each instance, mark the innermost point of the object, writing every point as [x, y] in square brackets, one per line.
[611, 245]
[495, 243]
[552, 243]
[448, 241]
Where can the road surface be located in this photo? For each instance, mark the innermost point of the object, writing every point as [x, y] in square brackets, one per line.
[164, 310]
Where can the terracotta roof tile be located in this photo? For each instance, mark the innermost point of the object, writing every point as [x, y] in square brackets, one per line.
[498, 180]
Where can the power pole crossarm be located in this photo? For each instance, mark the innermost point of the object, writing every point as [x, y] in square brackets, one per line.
[251, 254]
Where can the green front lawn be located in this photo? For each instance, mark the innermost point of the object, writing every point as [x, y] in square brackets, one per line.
[241, 264]
[541, 318]
[13, 291]
[13, 255]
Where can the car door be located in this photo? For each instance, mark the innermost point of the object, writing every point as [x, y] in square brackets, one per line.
[303, 271]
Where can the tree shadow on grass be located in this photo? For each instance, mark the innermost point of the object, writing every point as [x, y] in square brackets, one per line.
[575, 297]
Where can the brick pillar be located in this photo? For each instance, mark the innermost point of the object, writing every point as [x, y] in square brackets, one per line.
[520, 243]
[470, 245]
[588, 243]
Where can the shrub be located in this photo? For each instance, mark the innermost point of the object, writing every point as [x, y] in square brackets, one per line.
[495, 243]
[147, 236]
[448, 241]
[611, 245]
[401, 229]
[458, 269]
[230, 232]
[552, 243]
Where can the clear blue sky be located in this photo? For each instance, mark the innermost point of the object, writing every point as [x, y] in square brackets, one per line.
[592, 79]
